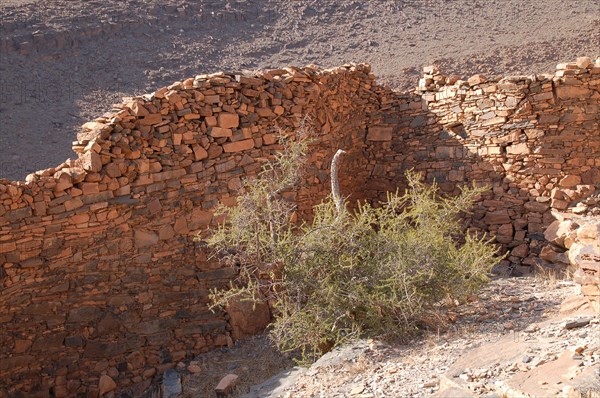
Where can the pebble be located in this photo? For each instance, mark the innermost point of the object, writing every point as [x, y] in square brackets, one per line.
[577, 323]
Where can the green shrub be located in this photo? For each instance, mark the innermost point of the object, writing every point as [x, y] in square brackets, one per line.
[368, 272]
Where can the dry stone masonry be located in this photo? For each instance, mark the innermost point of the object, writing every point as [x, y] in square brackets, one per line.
[533, 139]
[102, 284]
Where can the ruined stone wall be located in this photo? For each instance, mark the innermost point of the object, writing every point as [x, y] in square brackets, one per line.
[100, 275]
[534, 140]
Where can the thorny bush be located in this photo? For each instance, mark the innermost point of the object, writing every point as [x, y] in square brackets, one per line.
[372, 271]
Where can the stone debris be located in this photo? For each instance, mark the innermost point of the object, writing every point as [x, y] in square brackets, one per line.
[226, 385]
[472, 357]
[575, 242]
[106, 384]
[577, 323]
[194, 367]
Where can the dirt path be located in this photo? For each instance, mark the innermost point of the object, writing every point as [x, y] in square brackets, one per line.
[65, 62]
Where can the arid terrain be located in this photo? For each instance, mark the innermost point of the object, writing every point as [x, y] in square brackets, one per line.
[518, 336]
[65, 62]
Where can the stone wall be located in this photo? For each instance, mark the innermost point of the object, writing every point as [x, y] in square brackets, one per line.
[535, 140]
[100, 275]
[101, 279]
[574, 241]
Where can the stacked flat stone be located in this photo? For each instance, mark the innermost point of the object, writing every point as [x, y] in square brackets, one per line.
[101, 278]
[534, 140]
[574, 242]
[433, 80]
[100, 275]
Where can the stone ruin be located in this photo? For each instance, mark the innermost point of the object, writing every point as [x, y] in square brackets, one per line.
[102, 286]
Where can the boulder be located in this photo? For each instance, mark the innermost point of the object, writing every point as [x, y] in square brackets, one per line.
[552, 255]
[569, 181]
[247, 318]
[558, 231]
[588, 233]
[477, 79]
[584, 62]
[579, 253]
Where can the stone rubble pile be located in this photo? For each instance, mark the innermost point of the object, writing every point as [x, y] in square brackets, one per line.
[575, 243]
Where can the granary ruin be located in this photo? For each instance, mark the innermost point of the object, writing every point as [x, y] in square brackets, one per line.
[98, 264]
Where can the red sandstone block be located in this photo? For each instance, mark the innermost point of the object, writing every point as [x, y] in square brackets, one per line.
[477, 79]
[220, 132]
[98, 197]
[199, 153]
[569, 181]
[228, 120]
[113, 170]
[91, 161]
[172, 96]
[168, 175]
[191, 116]
[543, 96]
[200, 218]
[181, 226]
[137, 108]
[265, 112]
[379, 133]
[73, 204]
[270, 139]
[123, 191]
[238, 146]
[497, 217]
[106, 384]
[518, 149]
[63, 182]
[149, 120]
[211, 121]
[80, 218]
[248, 92]
[571, 92]
[226, 385]
[16, 362]
[21, 346]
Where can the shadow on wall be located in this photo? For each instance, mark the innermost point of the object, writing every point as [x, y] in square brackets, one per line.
[534, 140]
[101, 278]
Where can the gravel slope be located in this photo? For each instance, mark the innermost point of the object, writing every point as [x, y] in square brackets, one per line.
[108, 49]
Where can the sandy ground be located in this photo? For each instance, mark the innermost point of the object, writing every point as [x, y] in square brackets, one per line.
[65, 62]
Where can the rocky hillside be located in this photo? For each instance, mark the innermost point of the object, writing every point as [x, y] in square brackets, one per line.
[65, 62]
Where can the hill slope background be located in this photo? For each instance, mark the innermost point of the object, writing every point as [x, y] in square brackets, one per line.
[66, 62]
